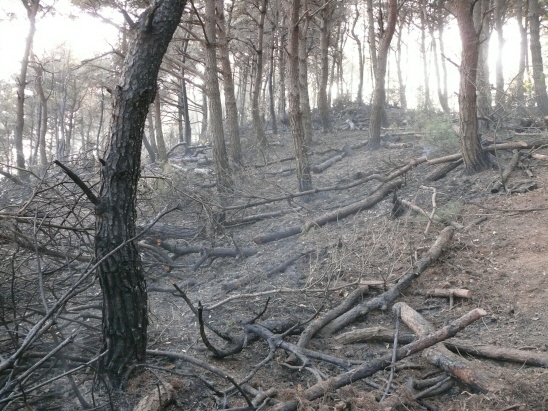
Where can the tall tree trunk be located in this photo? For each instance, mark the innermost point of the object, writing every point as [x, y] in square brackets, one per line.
[500, 11]
[522, 25]
[255, 112]
[120, 273]
[32, 9]
[160, 142]
[271, 104]
[441, 82]
[303, 79]
[228, 84]
[323, 107]
[426, 77]
[282, 110]
[215, 126]
[475, 159]
[304, 178]
[356, 37]
[243, 89]
[444, 96]
[483, 26]
[43, 113]
[379, 94]
[539, 80]
[401, 81]
[372, 39]
[334, 65]
[205, 121]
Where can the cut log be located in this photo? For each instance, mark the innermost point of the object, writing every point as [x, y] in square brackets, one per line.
[539, 156]
[378, 334]
[445, 159]
[506, 173]
[448, 292]
[371, 367]
[383, 300]
[470, 374]
[495, 352]
[158, 398]
[328, 163]
[330, 217]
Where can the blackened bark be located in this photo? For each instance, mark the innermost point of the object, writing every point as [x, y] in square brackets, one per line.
[475, 159]
[303, 78]
[379, 94]
[43, 114]
[304, 177]
[215, 108]
[255, 114]
[120, 274]
[361, 63]
[228, 87]
[324, 49]
[539, 80]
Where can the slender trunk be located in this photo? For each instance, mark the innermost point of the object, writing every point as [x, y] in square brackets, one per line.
[282, 111]
[426, 77]
[475, 159]
[499, 22]
[150, 150]
[304, 177]
[445, 104]
[228, 84]
[255, 112]
[401, 82]
[271, 104]
[303, 80]
[482, 23]
[32, 8]
[333, 66]
[160, 142]
[243, 90]
[323, 106]
[125, 316]
[520, 88]
[203, 132]
[441, 82]
[43, 114]
[539, 80]
[379, 94]
[215, 126]
[372, 39]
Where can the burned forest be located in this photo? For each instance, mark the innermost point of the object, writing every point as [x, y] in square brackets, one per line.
[259, 205]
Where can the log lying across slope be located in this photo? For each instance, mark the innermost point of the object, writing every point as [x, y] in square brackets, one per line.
[332, 216]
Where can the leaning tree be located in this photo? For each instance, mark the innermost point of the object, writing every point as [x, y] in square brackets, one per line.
[120, 274]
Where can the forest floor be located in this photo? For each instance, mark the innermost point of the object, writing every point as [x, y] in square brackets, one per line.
[502, 261]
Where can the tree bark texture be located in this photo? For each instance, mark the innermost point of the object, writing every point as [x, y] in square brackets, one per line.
[482, 23]
[323, 107]
[255, 112]
[304, 177]
[475, 159]
[500, 14]
[303, 77]
[228, 87]
[120, 274]
[539, 80]
[215, 126]
[379, 94]
[32, 9]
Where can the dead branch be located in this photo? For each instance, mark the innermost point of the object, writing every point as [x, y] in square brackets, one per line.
[341, 213]
[506, 173]
[379, 334]
[209, 252]
[370, 368]
[283, 266]
[383, 300]
[320, 168]
[470, 374]
[442, 171]
[496, 352]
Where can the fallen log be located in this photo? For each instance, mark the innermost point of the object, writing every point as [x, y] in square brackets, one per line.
[539, 156]
[506, 173]
[470, 374]
[495, 352]
[383, 300]
[339, 214]
[283, 266]
[443, 170]
[328, 163]
[378, 334]
[210, 252]
[320, 389]
[165, 231]
[254, 218]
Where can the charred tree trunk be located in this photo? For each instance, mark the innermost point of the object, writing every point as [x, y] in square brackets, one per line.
[43, 114]
[475, 159]
[539, 80]
[361, 63]
[255, 112]
[304, 177]
[152, 134]
[303, 78]
[401, 81]
[215, 126]
[482, 23]
[522, 25]
[282, 111]
[271, 104]
[426, 78]
[323, 106]
[228, 85]
[160, 142]
[500, 12]
[120, 273]
[379, 94]
[443, 90]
